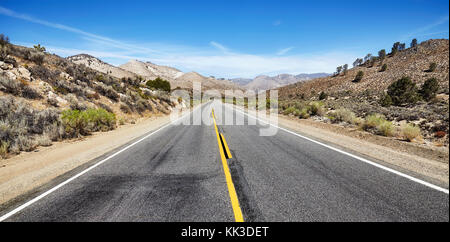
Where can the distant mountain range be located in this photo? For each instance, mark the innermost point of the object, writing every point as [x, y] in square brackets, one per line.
[180, 79]
[264, 82]
[150, 71]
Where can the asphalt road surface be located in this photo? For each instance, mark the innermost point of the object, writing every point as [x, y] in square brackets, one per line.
[178, 174]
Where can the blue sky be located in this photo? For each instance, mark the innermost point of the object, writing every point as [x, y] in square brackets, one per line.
[224, 38]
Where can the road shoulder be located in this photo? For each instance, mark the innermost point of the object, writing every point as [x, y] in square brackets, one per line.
[24, 173]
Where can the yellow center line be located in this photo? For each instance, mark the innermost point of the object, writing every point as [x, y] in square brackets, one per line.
[231, 190]
[227, 150]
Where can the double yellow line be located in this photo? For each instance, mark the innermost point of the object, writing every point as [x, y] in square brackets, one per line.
[224, 154]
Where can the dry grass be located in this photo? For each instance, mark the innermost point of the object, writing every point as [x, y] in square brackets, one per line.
[410, 132]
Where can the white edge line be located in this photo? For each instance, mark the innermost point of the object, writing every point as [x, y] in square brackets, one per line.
[354, 156]
[23, 206]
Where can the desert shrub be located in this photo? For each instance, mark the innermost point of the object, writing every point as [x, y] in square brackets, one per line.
[142, 105]
[125, 108]
[39, 48]
[78, 122]
[159, 84]
[4, 40]
[107, 91]
[4, 149]
[106, 107]
[316, 108]
[21, 125]
[94, 95]
[386, 128]
[291, 110]
[18, 88]
[432, 67]
[403, 91]
[30, 92]
[386, 100]
[383, 68]
[74, 103]
[304, 114]
[429, 89]
[359, 76]
[410, 132]
[21, 52]
[53, 102]
[372, 121]
[323, 96]
[43, 73]
[378, 124]
[37, 58]
[43, 140]
[26, 143]
[342, 115]
[10, 86]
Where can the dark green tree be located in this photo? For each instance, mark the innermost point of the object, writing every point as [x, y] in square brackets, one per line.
[338, 70]
[395, 48]
[413, 43]
[4, 40]
[323, 96]
[159, 84]
[39, 48]
[383, 68]
[429, 89]
[386, 100]
[382, 54]
[345, 69]
[432, 67]
[359, 76]
[403, 91]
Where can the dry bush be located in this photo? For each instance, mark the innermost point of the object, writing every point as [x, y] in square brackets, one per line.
[21, 125]
[409, 132]
[342, 115]
[18, 88]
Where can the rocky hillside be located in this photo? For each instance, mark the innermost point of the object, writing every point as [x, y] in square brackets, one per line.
[98, 65]
[368, 95]
[151, 71]
[264, 82]
[412, 62]
[177, 78]
[44, 98]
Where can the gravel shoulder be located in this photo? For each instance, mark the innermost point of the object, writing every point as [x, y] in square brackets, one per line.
[30, 170]
[427, 163]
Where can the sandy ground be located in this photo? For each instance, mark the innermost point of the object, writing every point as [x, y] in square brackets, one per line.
[27, 171]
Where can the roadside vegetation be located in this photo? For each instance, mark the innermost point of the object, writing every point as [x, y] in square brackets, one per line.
[402, 94]
[46, 98]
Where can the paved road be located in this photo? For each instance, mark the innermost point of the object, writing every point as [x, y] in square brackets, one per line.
[177, 174]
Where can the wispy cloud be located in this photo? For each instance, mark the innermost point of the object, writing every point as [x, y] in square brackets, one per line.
[225, 63]
[276, 22]
[219, 46]
[284, 51]
[422, 30]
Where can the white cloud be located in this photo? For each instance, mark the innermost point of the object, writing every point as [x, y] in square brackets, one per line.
[284, 51]
[420, 31]
[219, 46]
[226, 63]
